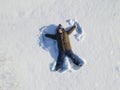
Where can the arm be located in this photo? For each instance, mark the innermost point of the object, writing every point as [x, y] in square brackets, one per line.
[50, 36]
[53, 36]
[71, 30]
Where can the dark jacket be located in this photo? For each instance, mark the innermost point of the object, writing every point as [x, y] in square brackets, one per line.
[62, 39]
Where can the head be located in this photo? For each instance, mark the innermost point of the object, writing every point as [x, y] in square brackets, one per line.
[60, 29]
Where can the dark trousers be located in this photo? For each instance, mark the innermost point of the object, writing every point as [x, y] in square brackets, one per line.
[69, 53]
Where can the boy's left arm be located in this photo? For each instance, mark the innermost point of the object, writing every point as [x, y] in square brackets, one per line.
[71, 29]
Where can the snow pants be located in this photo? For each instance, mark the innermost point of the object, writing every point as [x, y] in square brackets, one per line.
[69, 53]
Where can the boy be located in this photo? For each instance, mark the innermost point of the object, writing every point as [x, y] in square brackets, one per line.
[64, 47]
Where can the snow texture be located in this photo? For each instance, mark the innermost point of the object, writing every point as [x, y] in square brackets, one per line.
[27, 57]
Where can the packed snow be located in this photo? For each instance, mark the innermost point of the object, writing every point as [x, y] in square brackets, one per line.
[27, 57]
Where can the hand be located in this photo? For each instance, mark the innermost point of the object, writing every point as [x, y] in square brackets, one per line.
[75, 24]
[46, 35]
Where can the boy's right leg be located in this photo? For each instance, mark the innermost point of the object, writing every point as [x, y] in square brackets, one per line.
[60, 61]
[76, 60]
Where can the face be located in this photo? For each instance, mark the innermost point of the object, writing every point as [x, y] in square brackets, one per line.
[60, 31]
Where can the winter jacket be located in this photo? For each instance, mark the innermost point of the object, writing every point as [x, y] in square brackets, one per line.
[62, 39]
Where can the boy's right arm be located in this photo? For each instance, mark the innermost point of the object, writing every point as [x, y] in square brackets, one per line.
[53, 36]
[50, 36]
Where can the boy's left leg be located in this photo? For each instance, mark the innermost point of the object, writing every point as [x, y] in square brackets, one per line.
[60, 61]
[75, 59]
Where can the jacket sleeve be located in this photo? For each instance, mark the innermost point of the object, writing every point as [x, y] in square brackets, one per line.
[50, 36]
[71, 30]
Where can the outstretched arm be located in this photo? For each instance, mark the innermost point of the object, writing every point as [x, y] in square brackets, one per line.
[50, 36]
[53, 36]
[71, 29]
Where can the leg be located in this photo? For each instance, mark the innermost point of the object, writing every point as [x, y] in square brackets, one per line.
[75, 59]
[60, 61]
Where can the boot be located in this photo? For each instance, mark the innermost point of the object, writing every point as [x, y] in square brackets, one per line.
[58, 67]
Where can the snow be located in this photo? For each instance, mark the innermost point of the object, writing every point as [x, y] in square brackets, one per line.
[26, 65]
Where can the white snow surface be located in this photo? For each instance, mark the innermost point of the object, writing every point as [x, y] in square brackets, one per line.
[26, 65]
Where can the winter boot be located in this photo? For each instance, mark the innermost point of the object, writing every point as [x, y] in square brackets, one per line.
[58, 67]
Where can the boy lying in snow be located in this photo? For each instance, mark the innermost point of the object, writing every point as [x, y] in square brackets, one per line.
[63, 42]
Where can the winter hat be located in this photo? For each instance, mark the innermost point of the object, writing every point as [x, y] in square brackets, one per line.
[60, 27]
